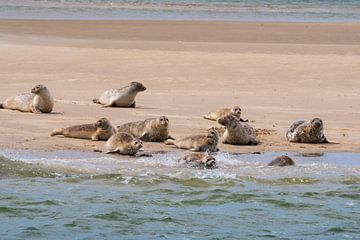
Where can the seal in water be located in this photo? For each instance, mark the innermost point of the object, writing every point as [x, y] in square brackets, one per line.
[101, 130]
[199, 160]
[123, 143]
[235, 111]
[122, 97]
[197, 143]
[38, 101]
[282, 161]
[307, 132]
[237, 133]
[149, 130]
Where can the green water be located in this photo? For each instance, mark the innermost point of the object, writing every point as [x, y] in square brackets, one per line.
[92, 196]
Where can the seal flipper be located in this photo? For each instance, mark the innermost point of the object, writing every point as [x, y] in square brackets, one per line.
[133, 105]
[170, 142]
[1, 106]
[242, 120]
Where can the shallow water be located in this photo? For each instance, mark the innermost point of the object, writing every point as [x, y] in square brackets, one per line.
[79, 195]
[243, 10]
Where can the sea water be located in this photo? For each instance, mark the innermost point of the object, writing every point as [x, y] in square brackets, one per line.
[84, 195]
[235, 10]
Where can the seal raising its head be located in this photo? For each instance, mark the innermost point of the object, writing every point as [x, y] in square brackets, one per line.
[149, 130]
[123, 143]
[200, 160]
[237, 133]
[307, 132]
[122, 97]
[282, 161]
[235, 111]
[38, 101]
[101, 130]
[197, 143]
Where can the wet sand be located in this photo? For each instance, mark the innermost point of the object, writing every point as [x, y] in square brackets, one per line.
[277, 73]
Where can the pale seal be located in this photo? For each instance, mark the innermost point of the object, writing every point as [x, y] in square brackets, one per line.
[214, 116]
[38, 101]
[123, 143]
[199, 160]
[237, 133]
[149, 130]
[307, 132]
[282, 161]
[121, 97]
[100, 130]
[197, 143]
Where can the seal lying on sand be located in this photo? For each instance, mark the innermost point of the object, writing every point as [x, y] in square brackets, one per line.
[307, 132]
[237, 133]
[38, 101]
[149, 130]
[197, 143]
[236, 111]
[282, 161]
[201, 160]
[122, 97]
[123, 143]
[101, 130]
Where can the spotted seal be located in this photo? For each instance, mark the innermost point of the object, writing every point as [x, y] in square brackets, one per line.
[100, 130]
[123, 143]
[121, 97]
[237, 133]
[235, 111]
[38, 101]
[197, 143]
[307, 132]
[199, 160]
[149, 130]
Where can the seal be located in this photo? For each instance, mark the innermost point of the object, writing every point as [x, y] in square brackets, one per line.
[199, 160]
[307, 132]
[100, 130]
[197, 143]
[149, 130]
[214, 116]
[237, 133]
[121, 97]
[38, 101]
[123, 143]
[282, 161]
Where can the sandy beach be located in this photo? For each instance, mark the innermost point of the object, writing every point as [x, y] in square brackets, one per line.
[277, 72]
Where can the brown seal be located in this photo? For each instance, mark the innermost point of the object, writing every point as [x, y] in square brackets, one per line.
[197, 143]
[38, 101]
[123, 143]
[101, 130]
[282, 161]
[149, 130]
[122, 97]
[237, 133]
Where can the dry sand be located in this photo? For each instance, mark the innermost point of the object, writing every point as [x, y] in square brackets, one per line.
[277, 73]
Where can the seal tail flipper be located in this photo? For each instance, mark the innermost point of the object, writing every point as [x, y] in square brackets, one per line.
[331, 142]
[169, 142]
[56, 132]
[96, 100]
[207, 117]
[1, 106]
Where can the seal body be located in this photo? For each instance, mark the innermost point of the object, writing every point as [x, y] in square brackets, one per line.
[307, 132]
[235, 111]
[38, 101]
[237, 133]
[282, 161]
[149, 130]
[121, 97]
[101, 130]
[199, 160]
[197, 143]
[123, 143]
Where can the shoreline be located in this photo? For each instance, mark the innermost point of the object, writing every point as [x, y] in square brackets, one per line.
[277, 72]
